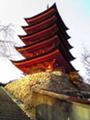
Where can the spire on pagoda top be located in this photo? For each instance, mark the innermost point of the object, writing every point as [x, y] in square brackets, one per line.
[47, 6]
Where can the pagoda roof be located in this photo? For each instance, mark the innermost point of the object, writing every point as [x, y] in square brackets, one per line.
[41, 26]
[45, 46]
[54, 39]
[45, 15]
[24, 65]
[44, 34]
[45, 24]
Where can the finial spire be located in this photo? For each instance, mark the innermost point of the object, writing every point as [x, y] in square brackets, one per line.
[47, 6]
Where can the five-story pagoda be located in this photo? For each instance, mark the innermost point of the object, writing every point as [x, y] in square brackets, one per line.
[46, 44]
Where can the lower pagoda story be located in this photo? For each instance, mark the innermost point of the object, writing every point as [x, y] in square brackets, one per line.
[51, 61]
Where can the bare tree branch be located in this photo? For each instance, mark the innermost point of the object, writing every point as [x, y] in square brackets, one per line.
[86, 63]
[7, 41]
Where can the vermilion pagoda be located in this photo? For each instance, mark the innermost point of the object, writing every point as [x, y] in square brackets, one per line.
[46, 42]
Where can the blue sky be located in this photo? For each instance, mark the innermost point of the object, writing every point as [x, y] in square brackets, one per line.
[75, 13]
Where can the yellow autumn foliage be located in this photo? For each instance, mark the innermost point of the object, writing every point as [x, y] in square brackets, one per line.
[21, 89]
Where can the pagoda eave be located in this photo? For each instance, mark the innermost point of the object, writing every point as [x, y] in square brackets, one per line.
[44, 25]
[45, 34]
[61, 62]
[50, 12]
[55, 25]
[54, 39]
[44, 15]
[41, 26]
[64, 41]
[29, 51]
[40, 35]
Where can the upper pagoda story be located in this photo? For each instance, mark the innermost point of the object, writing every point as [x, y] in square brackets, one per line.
[30, 51]
[45, 34]
[45, 24]
[51, 60]
[46, 15]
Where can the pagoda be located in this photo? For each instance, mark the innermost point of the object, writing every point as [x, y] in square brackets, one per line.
[46, 44]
